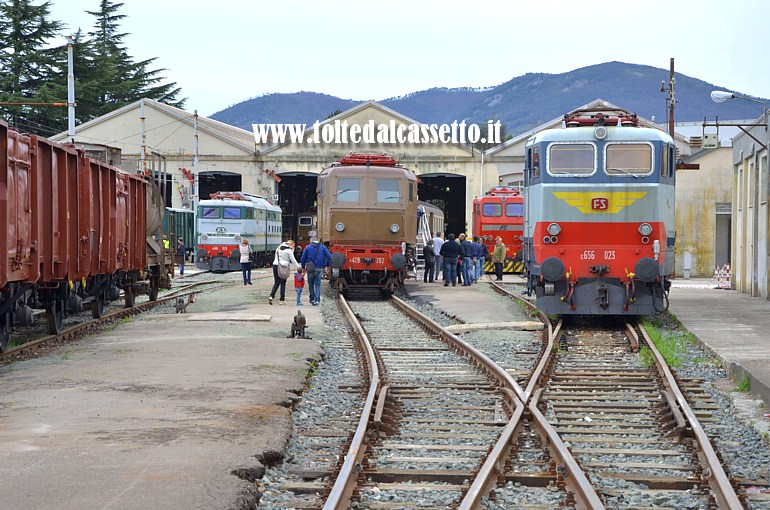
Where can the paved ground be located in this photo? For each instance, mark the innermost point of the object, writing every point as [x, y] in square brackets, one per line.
[157, 412]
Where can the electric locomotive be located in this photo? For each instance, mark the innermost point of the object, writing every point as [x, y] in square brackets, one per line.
[227, 218]
[500, 212]
[367, 216]
[599, 216]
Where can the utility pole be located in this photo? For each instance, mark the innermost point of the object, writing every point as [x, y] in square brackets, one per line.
[671, 100]
[70, 91]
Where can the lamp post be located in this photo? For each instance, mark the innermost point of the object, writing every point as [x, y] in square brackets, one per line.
[748, 279]
[720, 96]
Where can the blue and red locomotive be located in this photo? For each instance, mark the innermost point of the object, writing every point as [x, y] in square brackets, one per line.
[599, 231]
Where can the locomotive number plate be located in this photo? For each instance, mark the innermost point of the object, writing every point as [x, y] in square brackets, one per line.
[378, 260]
[591, 255]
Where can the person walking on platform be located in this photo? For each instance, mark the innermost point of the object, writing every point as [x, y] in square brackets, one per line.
[498, 257]
[180, 250]
[284, 258]
[438, 242]
[430, 261]
[245, 261]
[449, 253]
[465, 257]
[477, 256]
[316, 257]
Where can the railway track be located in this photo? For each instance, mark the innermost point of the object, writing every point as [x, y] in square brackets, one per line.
[501, 435]
[630, 425]
[432, 409]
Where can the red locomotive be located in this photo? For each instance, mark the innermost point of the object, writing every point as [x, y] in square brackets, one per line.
[75, 231]
[367, 215]
[500, 212]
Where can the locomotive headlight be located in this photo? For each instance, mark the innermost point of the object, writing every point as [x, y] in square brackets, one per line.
[554, 229]
[237, 238]
[339, 227]
[395, 228]
[645, 229]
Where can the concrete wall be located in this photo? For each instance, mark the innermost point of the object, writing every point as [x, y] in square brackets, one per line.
[750, 213]
[697, 194]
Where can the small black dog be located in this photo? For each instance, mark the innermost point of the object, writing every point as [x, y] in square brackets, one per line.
[182, 304]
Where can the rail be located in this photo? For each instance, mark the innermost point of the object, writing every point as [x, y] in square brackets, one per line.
[719, 483]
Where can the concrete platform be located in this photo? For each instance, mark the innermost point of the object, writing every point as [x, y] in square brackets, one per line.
[734, 327]
[157, 412]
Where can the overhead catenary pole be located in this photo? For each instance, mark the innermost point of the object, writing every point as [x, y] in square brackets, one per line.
[70, 91]
[195, 175]
[143, 153]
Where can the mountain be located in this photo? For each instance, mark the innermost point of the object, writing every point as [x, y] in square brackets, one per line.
[520, 104]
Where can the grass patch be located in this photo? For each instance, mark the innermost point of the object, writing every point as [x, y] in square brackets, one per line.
[744, 386]
[671, 344]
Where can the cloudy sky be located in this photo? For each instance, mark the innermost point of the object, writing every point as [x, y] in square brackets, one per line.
[224, 52]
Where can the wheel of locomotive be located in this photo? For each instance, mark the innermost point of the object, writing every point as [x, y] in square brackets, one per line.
[54, 315]
[128, 292]
[98, 306]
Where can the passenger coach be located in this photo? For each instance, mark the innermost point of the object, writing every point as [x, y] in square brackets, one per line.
[599, 228]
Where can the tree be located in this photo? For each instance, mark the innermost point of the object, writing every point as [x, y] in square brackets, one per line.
[106, 76]
[121, 80]
[27, 66]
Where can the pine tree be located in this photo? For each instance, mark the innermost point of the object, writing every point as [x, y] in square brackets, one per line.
[123, 81]
[27, 66]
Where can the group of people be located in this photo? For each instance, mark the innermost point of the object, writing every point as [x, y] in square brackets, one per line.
[312, 264]
[461, 259]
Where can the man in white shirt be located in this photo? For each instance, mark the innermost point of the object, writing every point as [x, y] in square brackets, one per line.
[437, 243]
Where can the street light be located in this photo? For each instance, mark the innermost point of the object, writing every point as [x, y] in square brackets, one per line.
[720, 96]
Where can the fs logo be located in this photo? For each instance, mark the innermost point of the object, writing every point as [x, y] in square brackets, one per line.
[600, 203]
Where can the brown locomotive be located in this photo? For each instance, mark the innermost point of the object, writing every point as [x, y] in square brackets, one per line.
[367, 216]
[74, 231]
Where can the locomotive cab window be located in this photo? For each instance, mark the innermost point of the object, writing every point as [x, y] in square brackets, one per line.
[387, 191]
[305, 221]
[534, 161]
[514, 210]
[633, 159]
[665, 162]
[348, 189]
[211, 213]
[492, 210]
[231, 213]
[571, 159]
